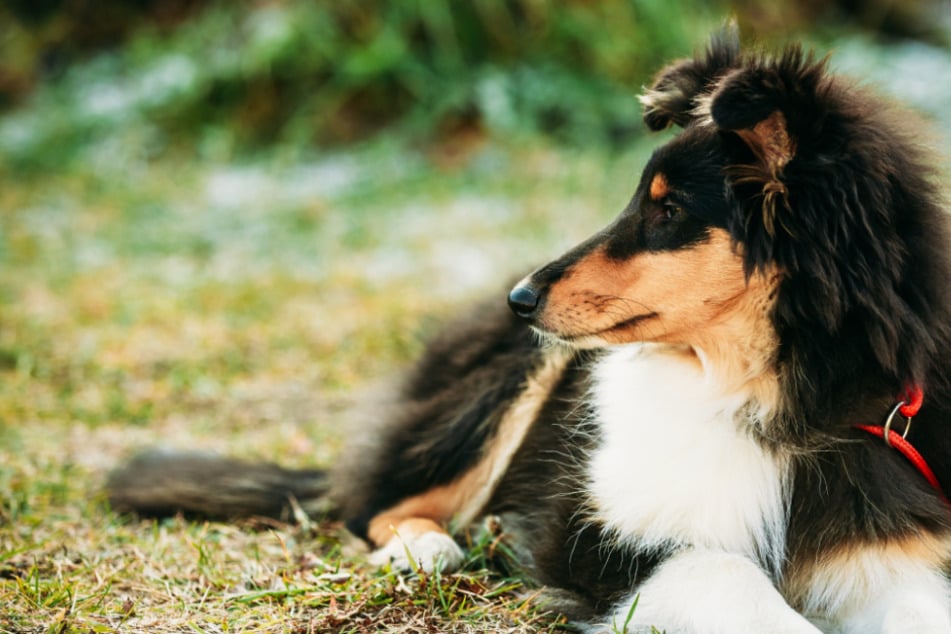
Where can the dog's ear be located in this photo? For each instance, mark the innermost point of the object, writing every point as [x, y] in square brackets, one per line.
[750, 103]
[776, 107]
[773, 105]
[769, 139]
[671, 99]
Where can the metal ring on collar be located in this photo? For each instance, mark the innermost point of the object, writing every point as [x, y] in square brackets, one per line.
[890, 419]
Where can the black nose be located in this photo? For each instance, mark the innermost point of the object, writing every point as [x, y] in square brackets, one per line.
[523, 300]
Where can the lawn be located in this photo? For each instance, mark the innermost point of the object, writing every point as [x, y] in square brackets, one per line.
[252, 308]
[156, 291]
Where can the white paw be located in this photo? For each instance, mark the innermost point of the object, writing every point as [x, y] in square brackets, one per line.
[429, 550]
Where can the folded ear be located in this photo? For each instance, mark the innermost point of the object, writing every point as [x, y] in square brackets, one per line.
[772, 105]
[770, 142]
[776, 106]
[671, 99]
[749, 103]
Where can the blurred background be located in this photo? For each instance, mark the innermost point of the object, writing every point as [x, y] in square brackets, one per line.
[224, 79]
[223, 222]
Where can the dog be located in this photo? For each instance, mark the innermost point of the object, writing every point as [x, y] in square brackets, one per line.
[699, 411]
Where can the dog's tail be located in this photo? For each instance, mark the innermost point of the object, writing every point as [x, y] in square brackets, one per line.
[159, 483]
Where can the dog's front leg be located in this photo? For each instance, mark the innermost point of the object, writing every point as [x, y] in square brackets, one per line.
[897, 588]
[708, 592]
[922, 610]
[413, 533]
[416, 542]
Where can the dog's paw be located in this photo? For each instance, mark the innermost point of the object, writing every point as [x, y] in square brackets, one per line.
[423, 551]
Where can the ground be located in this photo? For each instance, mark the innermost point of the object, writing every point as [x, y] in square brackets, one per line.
[249, 308]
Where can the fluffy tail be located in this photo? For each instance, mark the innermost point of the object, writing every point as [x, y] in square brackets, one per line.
[161, 483]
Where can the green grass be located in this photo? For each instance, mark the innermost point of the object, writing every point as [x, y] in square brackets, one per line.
[174, 576]
[179, 276]
[238, 75]
[249, 308]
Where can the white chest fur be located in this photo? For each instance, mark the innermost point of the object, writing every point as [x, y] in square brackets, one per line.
[678, 461]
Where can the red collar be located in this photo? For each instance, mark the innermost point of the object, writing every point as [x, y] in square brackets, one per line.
[908, 405]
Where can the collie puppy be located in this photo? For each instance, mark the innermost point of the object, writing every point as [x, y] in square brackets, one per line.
[702, 407]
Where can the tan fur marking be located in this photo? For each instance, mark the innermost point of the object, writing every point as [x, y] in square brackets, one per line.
[659, 186]
[427, 507]
[464, 497]
[862, 572]
[697, 297]
[770, 141]
[683, 288]
[414, 526]
[383, 528]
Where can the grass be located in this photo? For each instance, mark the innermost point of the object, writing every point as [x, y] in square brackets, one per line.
[158, 291]
[238, 75]
[248, 308]
[173, 576]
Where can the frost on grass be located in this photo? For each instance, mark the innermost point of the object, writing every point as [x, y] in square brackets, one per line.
[249, 310]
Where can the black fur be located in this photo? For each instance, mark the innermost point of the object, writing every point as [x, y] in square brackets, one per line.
[437, 435]
[160, 483]
[672, 97]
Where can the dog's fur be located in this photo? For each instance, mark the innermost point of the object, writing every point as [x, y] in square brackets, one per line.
[683, 435]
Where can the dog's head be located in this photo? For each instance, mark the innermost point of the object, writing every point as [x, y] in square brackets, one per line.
[673, 263]
[786, 203]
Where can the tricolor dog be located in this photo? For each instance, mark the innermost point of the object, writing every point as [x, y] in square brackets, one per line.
[731, 405]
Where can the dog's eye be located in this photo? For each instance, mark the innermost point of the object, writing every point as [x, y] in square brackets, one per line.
[671, 210]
